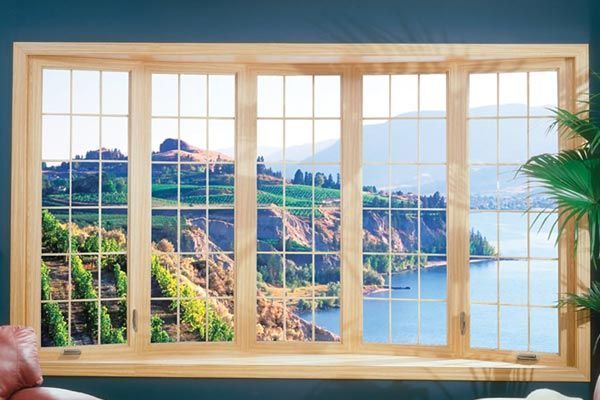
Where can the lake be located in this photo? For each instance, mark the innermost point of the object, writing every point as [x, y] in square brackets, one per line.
[514, 315]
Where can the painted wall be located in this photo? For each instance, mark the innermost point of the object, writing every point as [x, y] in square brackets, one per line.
[372, 21]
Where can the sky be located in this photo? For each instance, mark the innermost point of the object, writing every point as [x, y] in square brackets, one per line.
[202, 107]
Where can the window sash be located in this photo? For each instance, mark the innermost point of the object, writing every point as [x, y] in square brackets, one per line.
[351, 319]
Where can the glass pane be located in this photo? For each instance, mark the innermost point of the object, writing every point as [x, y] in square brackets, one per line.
[513, 328]
[544, 330]
[85, 181]
[404, 231]
[432, 146]
[193, 101]
[55, 184]
[85, 143]
[327, 96]
[56, 92]
[376, 231]
[483, 234]
[165, 95]
[483, 142]
[221, 139]
[86, 92]
[483, 95]
[221, 96]
[543, 136]
[484, 188]
[115, 138]
[513, 94]
[513, 282]
[55, 221]
[55, 325]
[84, 325]
[484, 329]
[512, 140]
[376, 96]
[434, 278]
[56, 135]
[432, 95]
[404, 322]
[163, 321]
[115, 93]
[113, 322]
[298, 96]
[269, 140]
[543, 92]
[405, 96]
[376, 137]
[544, 282]
[513, 234]
[376, 321]
[327, 135]
[403, 141]
[298, 140]
[55, 278]
[433, 323]
[165, 142]
[483, 280]
[270, 96]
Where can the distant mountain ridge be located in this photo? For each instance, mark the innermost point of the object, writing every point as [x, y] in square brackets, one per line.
[376, 141]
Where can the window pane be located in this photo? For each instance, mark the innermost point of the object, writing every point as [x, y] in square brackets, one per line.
[543, 92]
[327, 96]
[483, 95]
[514, 264]
[298, 217]
[193, 179]
[432, 95]
[86, 92]
[513, 94]
[404, 202]
[56, 93]
[165, 95]
[56, 137]
[193, 96]
[270, 96]
[84, 267]
[115, 93]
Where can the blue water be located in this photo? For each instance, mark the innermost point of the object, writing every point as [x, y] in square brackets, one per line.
[514, 317]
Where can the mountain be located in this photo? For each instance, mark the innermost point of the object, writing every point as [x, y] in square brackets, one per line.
[168, 151]
[375, 142]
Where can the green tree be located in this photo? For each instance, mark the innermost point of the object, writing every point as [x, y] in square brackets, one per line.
[298, 178]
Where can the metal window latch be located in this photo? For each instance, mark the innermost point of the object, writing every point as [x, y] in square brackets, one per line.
[71, 352]
[527, 357]
[134, 319]
[463, 323]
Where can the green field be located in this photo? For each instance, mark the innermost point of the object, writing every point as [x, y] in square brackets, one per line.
[165, 195]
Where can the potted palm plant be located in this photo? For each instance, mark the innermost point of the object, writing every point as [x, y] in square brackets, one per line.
[571, 179]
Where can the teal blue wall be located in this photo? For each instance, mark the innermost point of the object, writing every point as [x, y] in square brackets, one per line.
[343, 21]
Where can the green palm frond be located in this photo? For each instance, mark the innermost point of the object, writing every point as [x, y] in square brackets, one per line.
[586, 301]
[571, 179]
[578, 124]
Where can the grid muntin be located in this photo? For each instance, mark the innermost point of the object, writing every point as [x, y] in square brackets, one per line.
[389, 164]
[528, 211]
[99, 300]
[207, 206]
[284, 209]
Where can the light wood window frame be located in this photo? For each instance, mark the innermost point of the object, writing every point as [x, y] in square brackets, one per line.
[245, 357]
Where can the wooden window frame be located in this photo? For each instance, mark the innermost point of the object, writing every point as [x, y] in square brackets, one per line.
[245, 357]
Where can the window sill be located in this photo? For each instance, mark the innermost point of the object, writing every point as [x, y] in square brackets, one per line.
[310, 367]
